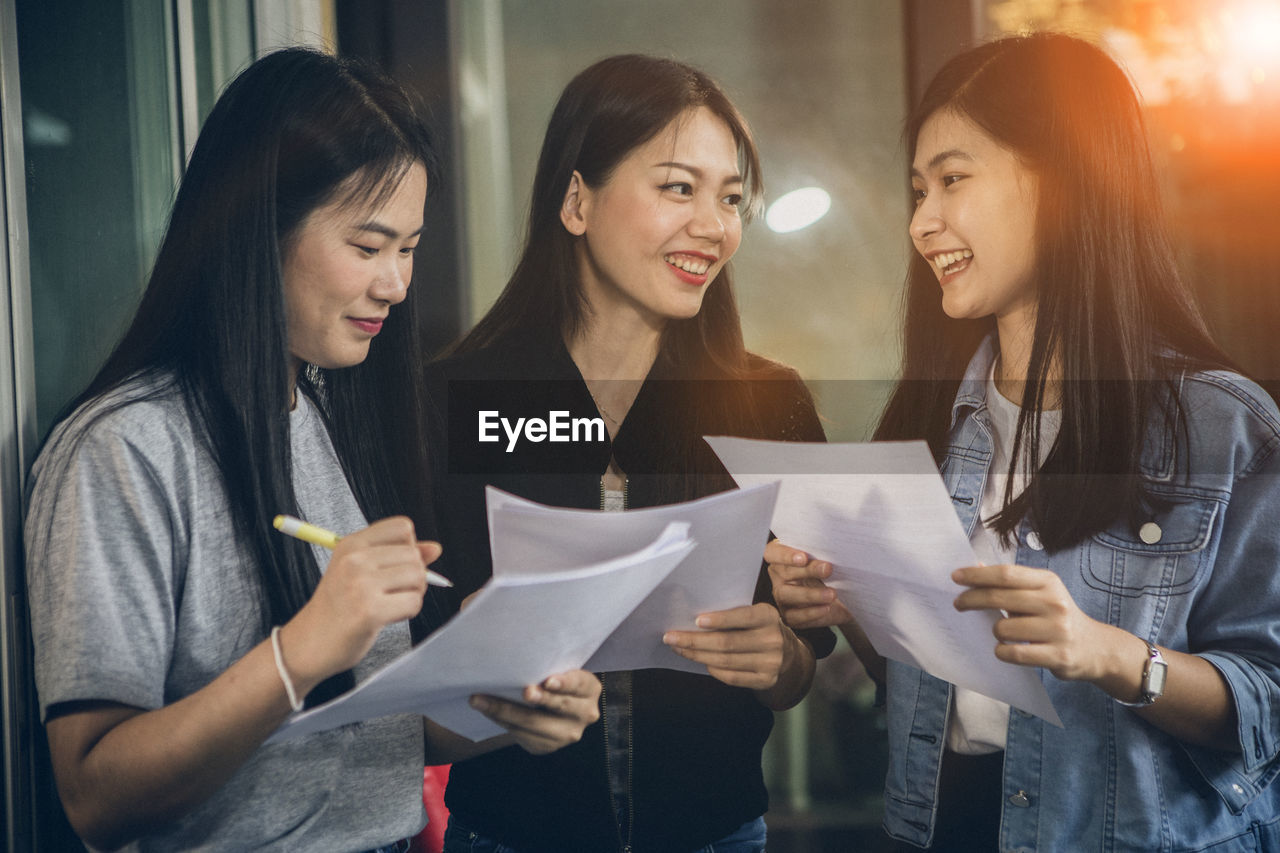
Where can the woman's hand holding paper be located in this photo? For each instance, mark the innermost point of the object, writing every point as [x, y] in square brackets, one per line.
[553, 714]
[805, 601]
[750, 647]
[744, 646]
[1041, 624]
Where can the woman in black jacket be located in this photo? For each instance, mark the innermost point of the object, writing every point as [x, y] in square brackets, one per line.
[621, 308]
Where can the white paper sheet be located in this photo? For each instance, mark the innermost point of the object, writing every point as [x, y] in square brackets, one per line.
[881, 515]
[731, 530]
[517, 630]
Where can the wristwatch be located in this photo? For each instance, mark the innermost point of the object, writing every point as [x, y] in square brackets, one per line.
[1153, 677]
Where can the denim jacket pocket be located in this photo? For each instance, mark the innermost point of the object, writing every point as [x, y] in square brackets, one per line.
[1159, 556]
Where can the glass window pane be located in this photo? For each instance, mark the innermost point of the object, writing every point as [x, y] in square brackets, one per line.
[100, 170]
[100, 118]
[224, 45]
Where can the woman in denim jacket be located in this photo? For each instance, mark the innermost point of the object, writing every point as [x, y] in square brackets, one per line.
[1117, 478]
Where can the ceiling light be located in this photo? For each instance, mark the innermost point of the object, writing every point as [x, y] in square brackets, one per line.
[797, 209]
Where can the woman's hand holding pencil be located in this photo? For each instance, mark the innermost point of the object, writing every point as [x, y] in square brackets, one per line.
[375, 578]
[299, 529]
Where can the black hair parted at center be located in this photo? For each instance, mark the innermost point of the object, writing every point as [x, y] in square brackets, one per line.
[297, 130]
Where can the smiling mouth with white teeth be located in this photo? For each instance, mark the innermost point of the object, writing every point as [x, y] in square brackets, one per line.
[692, 265]
[947, 261]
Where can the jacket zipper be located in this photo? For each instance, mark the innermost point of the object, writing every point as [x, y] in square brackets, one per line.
[626, 497]
[624, 844]
[631, 788]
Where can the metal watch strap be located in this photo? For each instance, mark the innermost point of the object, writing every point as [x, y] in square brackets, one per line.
[1152, 683]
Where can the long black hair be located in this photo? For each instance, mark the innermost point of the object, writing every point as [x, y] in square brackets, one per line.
[604, 113]
[1112, 310]
[297, 130]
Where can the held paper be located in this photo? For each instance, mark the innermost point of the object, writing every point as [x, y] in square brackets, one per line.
[881, 515]
[518, 630]
[730, 528]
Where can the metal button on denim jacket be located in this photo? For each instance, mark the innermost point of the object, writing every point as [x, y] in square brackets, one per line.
[1199, 572]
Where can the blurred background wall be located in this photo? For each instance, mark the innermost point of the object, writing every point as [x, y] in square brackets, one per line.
[100, 102]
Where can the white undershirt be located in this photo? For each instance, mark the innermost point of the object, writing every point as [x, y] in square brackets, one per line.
[978, 723]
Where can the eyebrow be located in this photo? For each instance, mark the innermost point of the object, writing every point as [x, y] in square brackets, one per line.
[695, 171]
[941, 157]
[387, 231]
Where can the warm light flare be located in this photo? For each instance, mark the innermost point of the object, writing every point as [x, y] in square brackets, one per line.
[1253, 34]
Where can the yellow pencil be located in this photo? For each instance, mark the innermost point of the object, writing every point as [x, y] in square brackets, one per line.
[299, 529]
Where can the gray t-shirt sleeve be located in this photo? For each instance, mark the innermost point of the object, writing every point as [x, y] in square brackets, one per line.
[105, 533]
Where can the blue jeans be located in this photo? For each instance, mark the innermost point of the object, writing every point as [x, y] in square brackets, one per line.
[748, 838]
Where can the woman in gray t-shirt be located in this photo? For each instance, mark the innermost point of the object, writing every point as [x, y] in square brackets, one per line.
[174, 629]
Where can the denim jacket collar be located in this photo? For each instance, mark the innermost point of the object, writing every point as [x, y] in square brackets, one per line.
[973, 387]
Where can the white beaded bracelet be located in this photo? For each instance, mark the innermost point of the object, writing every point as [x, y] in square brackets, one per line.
[294, 701]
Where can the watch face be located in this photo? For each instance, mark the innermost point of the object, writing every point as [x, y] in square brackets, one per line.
[1155, 678]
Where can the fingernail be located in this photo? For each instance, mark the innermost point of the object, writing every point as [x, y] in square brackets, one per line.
[799, 559]
[829, 595]
[666, 638]
[553, 683]
[704, 622]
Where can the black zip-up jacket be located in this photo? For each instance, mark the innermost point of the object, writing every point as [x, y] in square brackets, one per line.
[696, 742]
